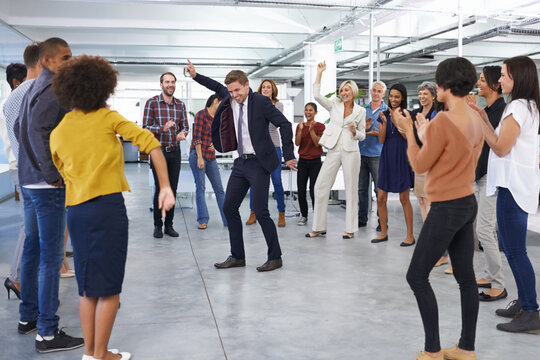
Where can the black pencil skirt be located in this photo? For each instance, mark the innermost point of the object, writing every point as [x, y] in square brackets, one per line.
[99, 235]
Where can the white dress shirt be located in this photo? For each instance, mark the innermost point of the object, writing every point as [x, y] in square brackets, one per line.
[246, 139]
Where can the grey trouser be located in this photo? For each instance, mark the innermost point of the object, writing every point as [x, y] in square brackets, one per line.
[15, 271]
[486, 230]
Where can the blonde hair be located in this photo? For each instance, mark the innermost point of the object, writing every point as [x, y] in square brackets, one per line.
[353, 86]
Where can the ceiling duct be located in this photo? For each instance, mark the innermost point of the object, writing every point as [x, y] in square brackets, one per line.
[470, 21]
[327, 30]
[497, 31]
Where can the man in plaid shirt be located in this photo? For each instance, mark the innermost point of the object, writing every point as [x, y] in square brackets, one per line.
[165, 116]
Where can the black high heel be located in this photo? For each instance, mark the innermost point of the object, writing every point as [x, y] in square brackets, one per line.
[10, 286]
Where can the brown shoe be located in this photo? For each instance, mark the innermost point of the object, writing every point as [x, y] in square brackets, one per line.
[281, 219]
[252, 219]
[231, 262]
[271, 265]
[455, 353]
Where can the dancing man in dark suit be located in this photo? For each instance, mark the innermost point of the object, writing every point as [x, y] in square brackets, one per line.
[241, 123]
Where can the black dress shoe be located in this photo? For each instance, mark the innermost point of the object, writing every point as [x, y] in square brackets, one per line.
[404, 244]
[171, 232]
[485, 297]
[362, 223]
[271, 265]
[376, 240]
[158, 233]
[230, 263]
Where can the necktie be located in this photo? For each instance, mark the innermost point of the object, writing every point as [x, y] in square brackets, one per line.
[239, 135]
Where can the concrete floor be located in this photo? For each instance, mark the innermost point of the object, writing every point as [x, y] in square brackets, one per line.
[333, 298]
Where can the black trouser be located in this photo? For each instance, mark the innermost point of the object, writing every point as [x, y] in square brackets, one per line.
[449, 224]
[173, 167]
[249, 173]
[307, 169]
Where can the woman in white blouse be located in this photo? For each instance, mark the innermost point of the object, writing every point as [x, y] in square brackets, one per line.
[514, 175]
[346, 127]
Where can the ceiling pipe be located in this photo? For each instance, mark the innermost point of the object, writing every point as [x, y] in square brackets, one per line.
[499, 30]
[325, 31]
[470, 21]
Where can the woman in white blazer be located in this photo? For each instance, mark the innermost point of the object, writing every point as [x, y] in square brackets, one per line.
[346, 127]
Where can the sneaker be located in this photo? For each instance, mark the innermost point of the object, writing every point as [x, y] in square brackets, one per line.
[60, 342]
[302, 221]
[511, 309]
[27, 328]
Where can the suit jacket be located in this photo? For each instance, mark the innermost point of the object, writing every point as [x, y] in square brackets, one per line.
[261, 112]
[340, 126]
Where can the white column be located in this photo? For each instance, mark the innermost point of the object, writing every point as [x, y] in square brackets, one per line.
[309, 77]
[371, 46]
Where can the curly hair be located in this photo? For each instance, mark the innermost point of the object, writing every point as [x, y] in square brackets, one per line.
[84, 83]
[457, 74]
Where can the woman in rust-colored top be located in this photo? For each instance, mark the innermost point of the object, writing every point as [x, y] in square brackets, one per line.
[452, 142]
[309, 162]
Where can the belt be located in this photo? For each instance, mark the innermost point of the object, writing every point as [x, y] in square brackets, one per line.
[248, 156]
[170, 148]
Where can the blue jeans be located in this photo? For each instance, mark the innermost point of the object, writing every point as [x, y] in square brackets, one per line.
[512, 223]
[368, 165]
[279, 194]
[212, 171]
[45, 225]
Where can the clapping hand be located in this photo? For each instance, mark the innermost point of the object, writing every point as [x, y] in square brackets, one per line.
[421, 126]
[369, 125]
[300, 125]
[352, 129]
[382, 119]
[480, 111]
[402, 122]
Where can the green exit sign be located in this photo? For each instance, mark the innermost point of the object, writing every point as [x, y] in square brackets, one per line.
[338, 45]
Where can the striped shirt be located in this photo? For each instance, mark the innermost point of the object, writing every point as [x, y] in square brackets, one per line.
[157, 113]
[12, 108]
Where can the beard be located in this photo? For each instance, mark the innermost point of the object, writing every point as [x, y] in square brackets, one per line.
[168, 92]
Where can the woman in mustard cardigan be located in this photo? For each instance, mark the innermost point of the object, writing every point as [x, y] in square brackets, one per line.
[89, 156]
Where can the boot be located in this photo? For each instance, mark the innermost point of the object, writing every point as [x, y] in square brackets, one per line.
[281, 219]
[252, 219]
[523, 322]
[511, 310]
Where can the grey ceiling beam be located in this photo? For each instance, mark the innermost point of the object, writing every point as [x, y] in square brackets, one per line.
[15, 30]
[496, 31]
[470, 21]
[325, 31]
